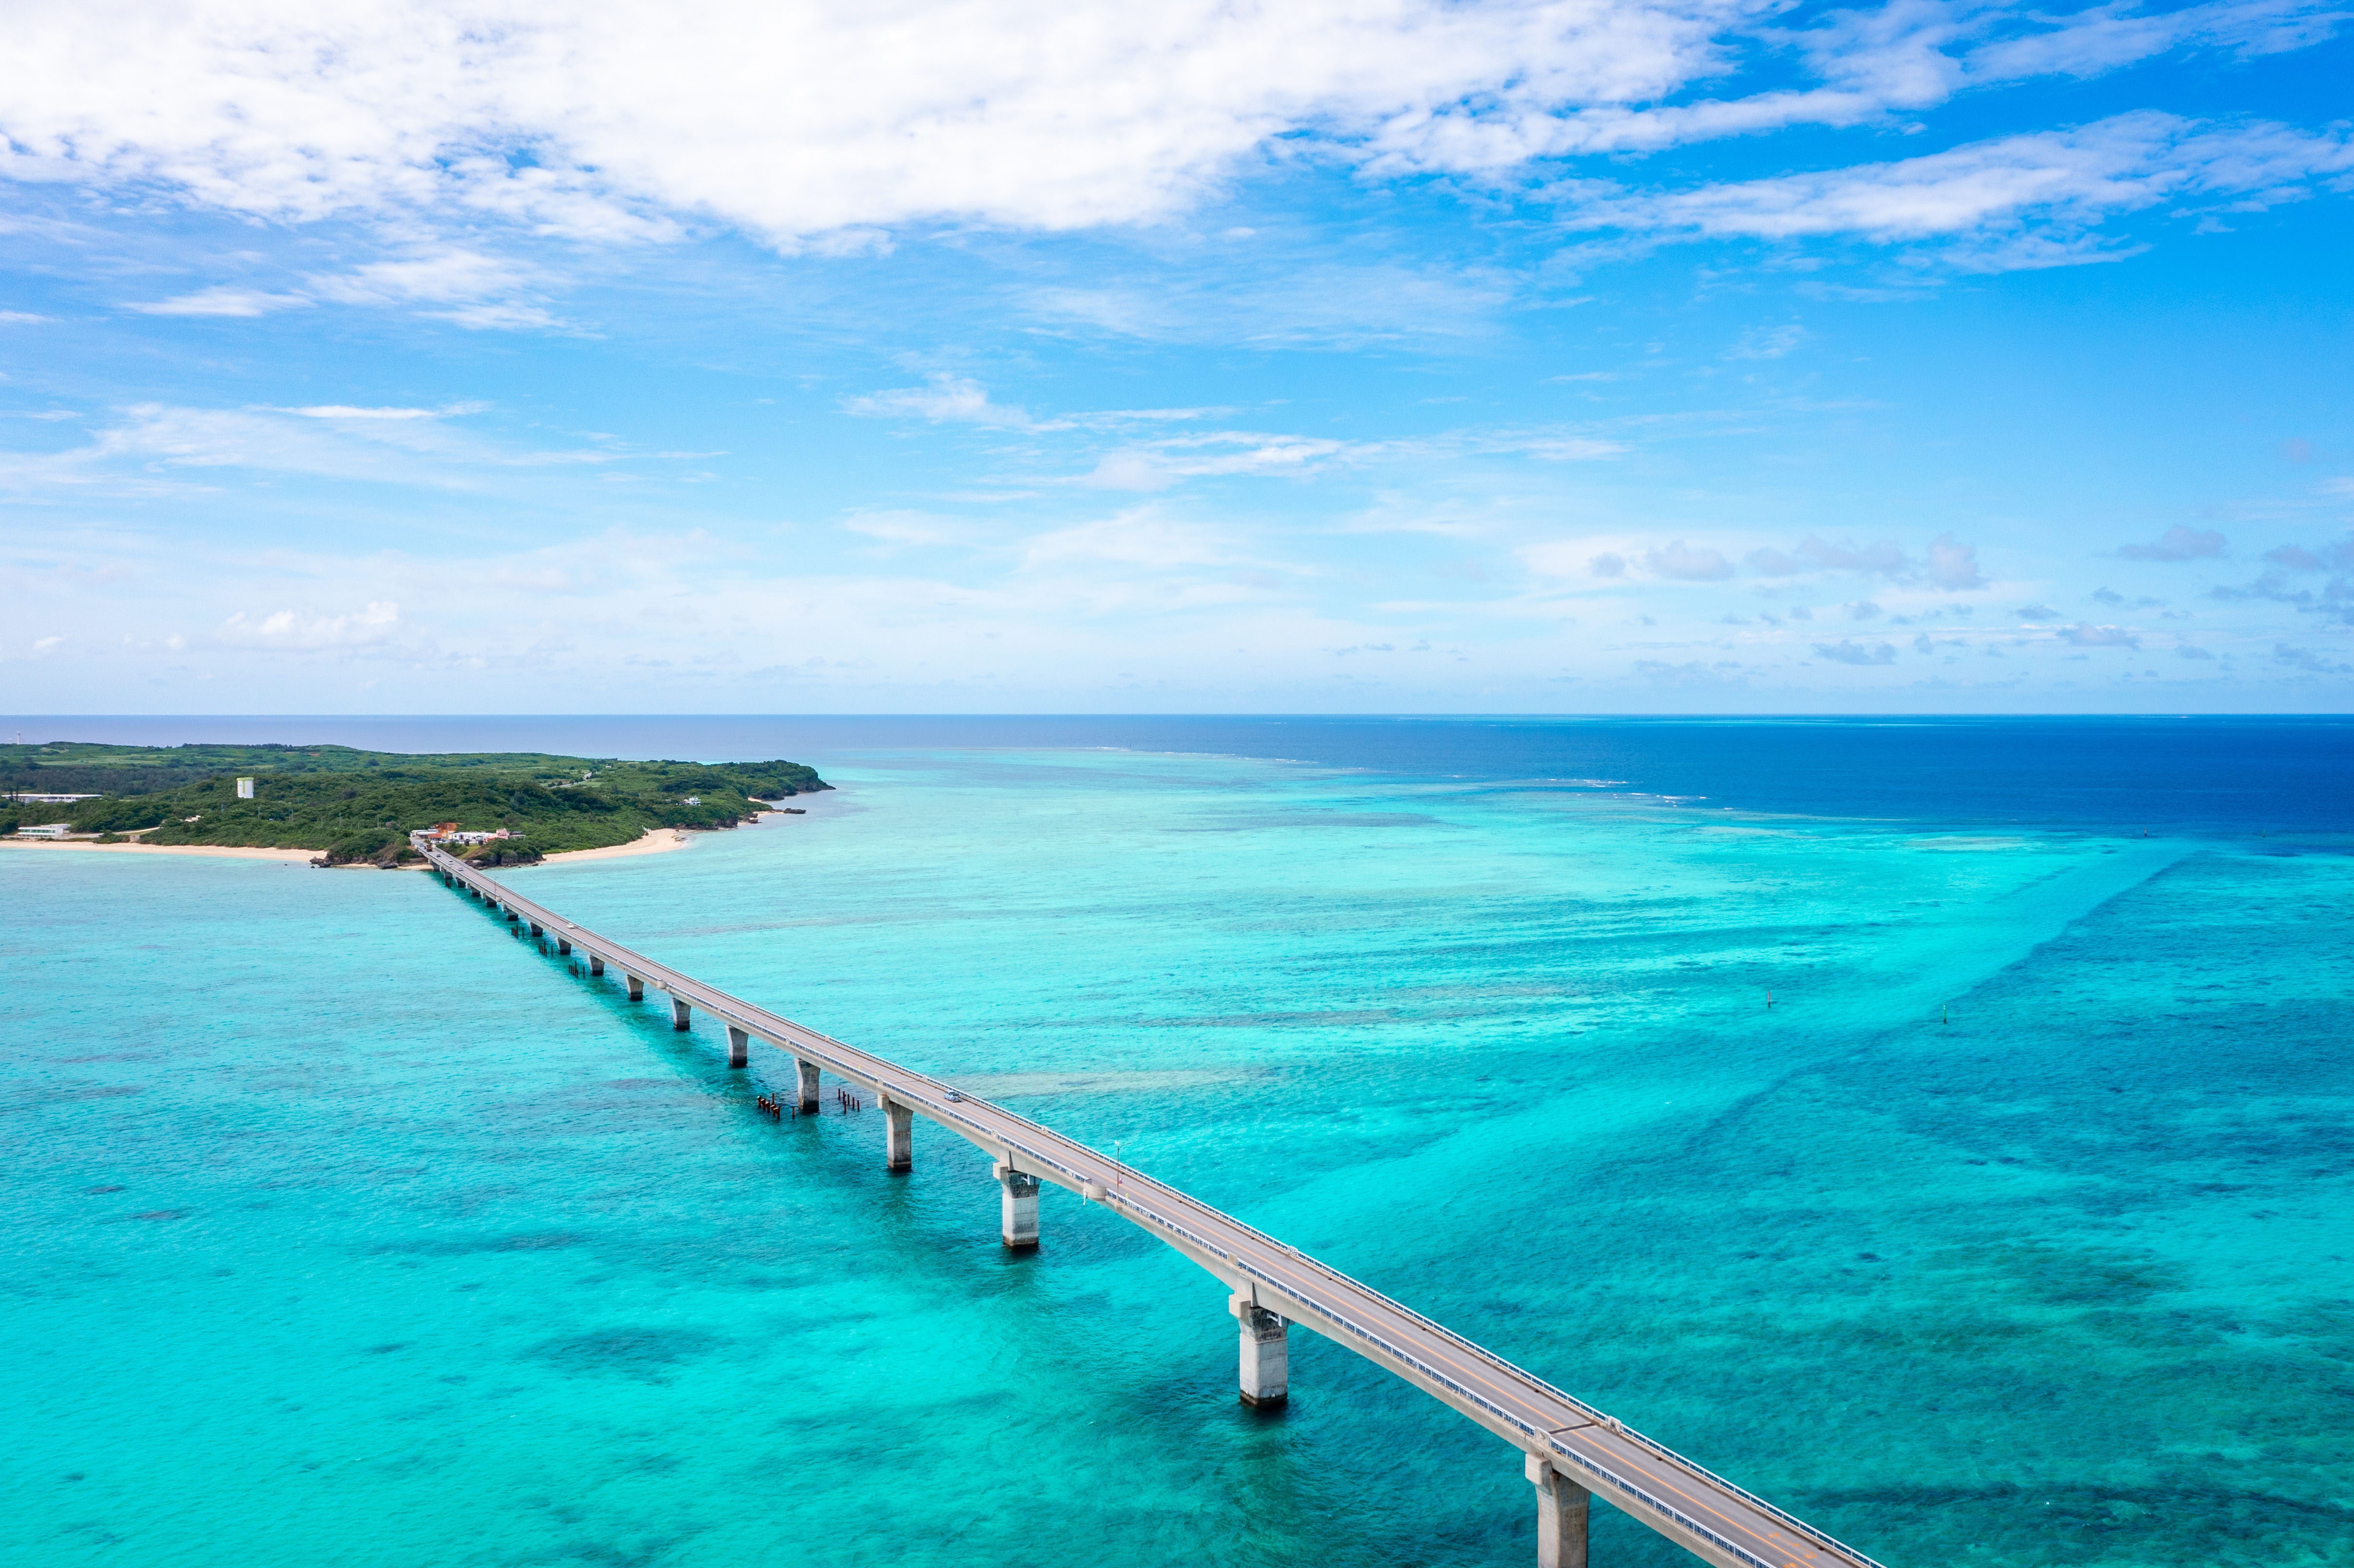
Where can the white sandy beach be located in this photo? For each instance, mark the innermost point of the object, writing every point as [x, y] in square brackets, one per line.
[218, 852]
[653, 841]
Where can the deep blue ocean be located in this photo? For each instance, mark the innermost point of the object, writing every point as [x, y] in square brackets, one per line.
[344, 1228]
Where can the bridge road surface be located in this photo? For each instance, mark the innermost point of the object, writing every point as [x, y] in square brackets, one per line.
[1701, 1512]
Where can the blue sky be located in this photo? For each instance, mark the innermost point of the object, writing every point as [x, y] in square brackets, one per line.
[1329, 356]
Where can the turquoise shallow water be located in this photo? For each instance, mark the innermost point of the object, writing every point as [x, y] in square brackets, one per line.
[346, 1229]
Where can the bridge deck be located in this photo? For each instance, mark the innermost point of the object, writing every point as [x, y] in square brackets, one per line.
[1702, 1512]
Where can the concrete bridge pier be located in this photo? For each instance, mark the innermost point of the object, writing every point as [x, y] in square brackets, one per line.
[680, 1014]
[1018, 1211]
[637, 986]
[1267, 1353]
[563, 948]
[595, 965]
[536, 932]
[899, 1141]
[807, 1072]
[1562, 1507]
[739, 1047]
[512, 918]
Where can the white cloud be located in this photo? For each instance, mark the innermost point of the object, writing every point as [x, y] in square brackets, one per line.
[1160, 464]
[326, 445]
[951, 398]
[2103, 37]
[405, 446]
[346, 411]
[2177, 544]
[1984, 196]
[443, 275]
[1948, 564]
[1845, 651]
[1880, 558]
[823, 127]
[791, 121]
[901, 527]
[224, 301]
[1544, 448]
[484, 294]
[1681, 562]
[504, 318]
[1767, 342]
[287, 629]
[1290, 301]
[2307, 660]
[1952, 565]
[1139, 537]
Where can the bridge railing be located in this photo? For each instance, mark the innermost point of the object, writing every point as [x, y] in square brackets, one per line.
[850, 1060]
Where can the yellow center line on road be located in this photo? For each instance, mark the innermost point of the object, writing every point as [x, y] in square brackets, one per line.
[1506, 1399]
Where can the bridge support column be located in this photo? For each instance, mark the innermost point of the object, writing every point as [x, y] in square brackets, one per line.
[536, 932]
[807, 1071]
[563, 948]
[899, 1141]
[1018, 1221]
[1562, 1506]
[739, 1047]
[1267, 1353]
[680, 1014]
[636, 987]
[512, 916]
[595, 965]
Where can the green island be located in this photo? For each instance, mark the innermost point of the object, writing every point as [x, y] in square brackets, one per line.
[359, 807]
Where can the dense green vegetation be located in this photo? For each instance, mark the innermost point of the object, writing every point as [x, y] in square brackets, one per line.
[361, 805]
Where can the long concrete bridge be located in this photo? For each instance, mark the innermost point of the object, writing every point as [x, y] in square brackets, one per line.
[1571, 1451]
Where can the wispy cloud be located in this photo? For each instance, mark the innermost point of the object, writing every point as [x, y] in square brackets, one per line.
[1849, 652]
[477, 290]
[1946, 564]
[2307, 660]
[2010, 203]
[153, 448]
[1767, 342]
[346, 411]
[954, 399]
[1160, 464]
[224, 301]
[296, 632]
[2177, 544]
[1142, 537]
